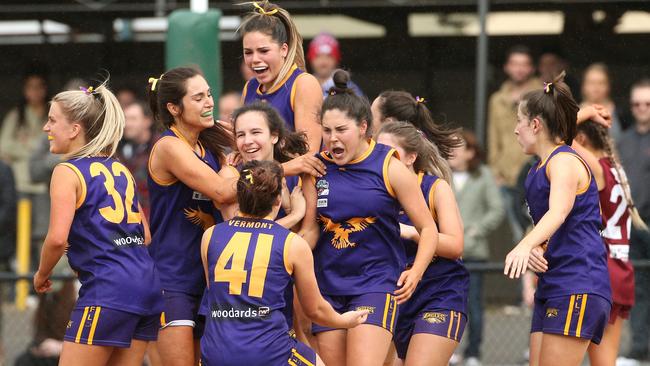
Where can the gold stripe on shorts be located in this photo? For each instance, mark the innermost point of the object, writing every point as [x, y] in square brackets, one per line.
[98, 310]
[457, 327]
[451, 322]
[392, 317]
[301, 358]
[583, 306]
[567, 324]
[81, 325]
[385, 319]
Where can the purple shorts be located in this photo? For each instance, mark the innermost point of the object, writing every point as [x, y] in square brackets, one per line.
[181, 309]
[580, 315]
[100, 326]
[441, 322]
[382, 307]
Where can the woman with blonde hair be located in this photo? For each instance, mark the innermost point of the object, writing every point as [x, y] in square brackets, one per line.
[96, 219]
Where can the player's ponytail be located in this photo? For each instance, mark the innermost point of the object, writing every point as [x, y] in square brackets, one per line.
[259, 187]
[99, 113]
[412, 140]
[555, 105]
[402, 106]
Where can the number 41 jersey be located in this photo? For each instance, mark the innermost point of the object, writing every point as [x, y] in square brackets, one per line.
[106, 240]
[248, 271]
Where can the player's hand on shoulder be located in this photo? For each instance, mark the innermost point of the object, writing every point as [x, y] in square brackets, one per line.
[307, 163]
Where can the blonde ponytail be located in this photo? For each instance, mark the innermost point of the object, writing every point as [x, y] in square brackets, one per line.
[100, 115]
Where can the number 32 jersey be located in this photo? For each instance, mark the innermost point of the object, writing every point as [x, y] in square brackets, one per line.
[248, 271]
[106, 240]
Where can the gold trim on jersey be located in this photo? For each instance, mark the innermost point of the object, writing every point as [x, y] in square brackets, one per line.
[384, 171]
[82, 181]
[292, 99]
[545, 161]
[285, 253]
[182, 138]
[581, 190]
[157, 180]
[432, 194]
[245, 92]
[280, 84]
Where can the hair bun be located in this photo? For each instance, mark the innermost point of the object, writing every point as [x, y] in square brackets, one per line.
[341, 79]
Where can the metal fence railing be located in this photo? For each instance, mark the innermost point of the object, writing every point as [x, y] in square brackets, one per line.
[505, 336]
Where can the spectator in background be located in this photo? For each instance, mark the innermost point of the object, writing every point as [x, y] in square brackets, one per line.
[634, 149]
[596, 87]
[228, 102]
[504, 157]
[126, 95]
[324, 56]
[20, 137]
[134, 148]
[481, 209]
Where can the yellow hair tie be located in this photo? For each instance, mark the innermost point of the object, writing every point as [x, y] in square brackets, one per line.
[89, 90]
[153, 81]
[262, 11]
[547, 88]
[419, 100]
[248, 176]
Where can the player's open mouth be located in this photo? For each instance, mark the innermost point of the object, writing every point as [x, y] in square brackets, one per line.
[206, 114]
[252, 151]
[260, 69]
[337, 152]
[50, 138]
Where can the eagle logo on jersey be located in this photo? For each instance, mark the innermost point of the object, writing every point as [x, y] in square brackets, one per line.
[342, 231]
[200, 218]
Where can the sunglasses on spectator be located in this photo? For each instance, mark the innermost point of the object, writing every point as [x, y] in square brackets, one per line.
[639, 104]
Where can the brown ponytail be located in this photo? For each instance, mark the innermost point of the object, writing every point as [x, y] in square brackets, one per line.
[555, 105]
[402, 106]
